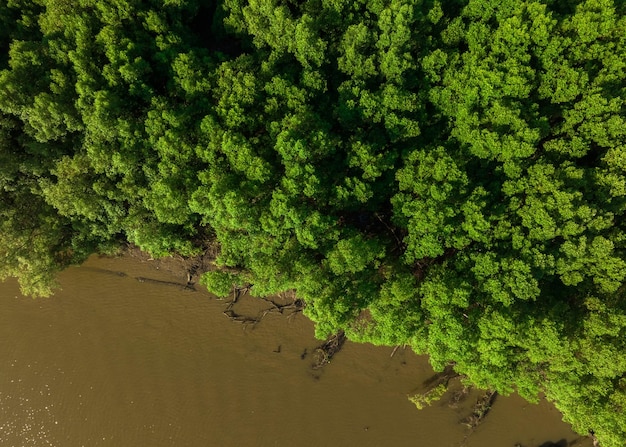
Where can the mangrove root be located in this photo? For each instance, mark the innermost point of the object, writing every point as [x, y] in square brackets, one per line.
[480, 410]
[292, 308]
[325, 352]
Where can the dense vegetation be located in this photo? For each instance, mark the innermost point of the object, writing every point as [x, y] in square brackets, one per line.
[449, 175]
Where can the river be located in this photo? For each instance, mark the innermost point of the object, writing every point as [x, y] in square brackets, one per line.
[113, 361]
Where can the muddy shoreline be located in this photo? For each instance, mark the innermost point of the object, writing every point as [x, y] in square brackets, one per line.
[472, 406]
[127, 353]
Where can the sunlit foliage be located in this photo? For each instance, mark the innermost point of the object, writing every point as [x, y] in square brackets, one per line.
[449, 175]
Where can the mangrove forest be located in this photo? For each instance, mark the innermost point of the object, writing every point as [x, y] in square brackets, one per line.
[446, 175]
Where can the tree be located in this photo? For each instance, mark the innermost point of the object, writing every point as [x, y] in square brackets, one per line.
[446, 175]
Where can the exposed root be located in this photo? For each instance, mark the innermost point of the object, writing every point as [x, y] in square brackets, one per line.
[294, 307]
[289, 308]
[197, 265]
[325, 352]
[480, 410]
[596, 443]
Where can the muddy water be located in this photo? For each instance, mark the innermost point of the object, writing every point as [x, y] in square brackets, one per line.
[112, 361]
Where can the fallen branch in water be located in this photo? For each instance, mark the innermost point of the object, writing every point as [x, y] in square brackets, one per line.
[479, 412]
[394, 350]
[480, 409]
[325, 352]
[423, 400]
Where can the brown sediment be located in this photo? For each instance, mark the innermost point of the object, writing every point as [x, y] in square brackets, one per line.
[188, 269]
[184, 353]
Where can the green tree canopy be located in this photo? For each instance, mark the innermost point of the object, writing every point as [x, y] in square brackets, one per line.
[446, 175]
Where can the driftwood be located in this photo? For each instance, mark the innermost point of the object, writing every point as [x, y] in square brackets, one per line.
[394, 350]
[325, 352]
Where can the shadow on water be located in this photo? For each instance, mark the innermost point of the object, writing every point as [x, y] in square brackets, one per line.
[180, 285]
[561, 443]
[105, 271]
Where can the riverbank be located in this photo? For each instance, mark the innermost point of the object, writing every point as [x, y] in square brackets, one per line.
[289, 339]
